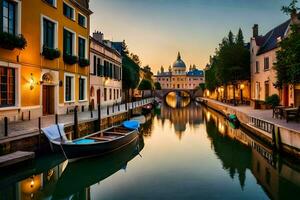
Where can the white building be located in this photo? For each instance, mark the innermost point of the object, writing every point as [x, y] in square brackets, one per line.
[105, 72]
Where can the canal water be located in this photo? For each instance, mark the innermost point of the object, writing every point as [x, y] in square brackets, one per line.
[187, 152]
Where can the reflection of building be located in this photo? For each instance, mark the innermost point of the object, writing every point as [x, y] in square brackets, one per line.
[178, 78]
[39, 80]
[180, 117]
[105, 72]
[238, 152]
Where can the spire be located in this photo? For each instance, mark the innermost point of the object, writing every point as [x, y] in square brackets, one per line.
[178, 56]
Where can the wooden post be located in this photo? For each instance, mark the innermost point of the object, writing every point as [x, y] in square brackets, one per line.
[126, 106]
[75, 122]
[107, 110]
[40, 130]
[113, 108]
[56, 118]
[5, 126]
[29, 115]
[119, 107]
[99, 116]
[91, 109]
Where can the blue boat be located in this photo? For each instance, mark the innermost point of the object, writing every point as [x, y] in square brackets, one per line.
[95, 144]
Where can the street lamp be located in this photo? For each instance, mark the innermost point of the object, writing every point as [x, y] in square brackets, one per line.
[242, 86]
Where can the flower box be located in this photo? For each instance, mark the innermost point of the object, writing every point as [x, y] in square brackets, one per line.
[10, 41]
[83, 62]
[70, 59]
[50, 53]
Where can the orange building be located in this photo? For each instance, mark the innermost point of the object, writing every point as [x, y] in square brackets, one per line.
[50, 73]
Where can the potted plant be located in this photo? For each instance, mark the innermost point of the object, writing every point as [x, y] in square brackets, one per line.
[70, 59]
[273, 100]
[50, 53]
[10, 41]
[83, 62]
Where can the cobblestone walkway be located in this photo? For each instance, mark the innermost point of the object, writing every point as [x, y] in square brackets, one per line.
[266, 115]
[25, 127]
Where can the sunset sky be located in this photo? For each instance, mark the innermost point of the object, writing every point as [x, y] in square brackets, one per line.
[157, 29]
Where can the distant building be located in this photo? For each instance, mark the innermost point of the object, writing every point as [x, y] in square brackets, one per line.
[263, 75]
[177, 77]
[105, 72]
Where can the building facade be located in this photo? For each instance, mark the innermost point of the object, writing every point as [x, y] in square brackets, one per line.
[263, 75]
[105, 72]
[50, 74]
[177, 76]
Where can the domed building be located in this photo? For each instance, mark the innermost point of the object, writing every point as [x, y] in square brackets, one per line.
[179, 66]
[177, 77]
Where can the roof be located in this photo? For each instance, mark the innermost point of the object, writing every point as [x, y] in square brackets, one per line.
[195, 72]
[163, 74]
[83, 4]
[108, 48]
[268, 42]
[179, 63]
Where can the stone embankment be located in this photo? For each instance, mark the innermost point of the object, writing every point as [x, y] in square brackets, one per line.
[284, 137]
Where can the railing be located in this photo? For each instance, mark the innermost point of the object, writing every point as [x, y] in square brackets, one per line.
[15, 128]
[262, 125]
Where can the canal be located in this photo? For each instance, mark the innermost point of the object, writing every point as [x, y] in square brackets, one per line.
[185, 151]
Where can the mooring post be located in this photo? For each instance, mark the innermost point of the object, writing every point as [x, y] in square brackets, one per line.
[56, 118]
[107, 110]
[91, 109]
[40, 130]
[126, 104]
[29, 115]
[119, 107]
[75, 122]
[113, 108]
[99, 116]
[5, 126]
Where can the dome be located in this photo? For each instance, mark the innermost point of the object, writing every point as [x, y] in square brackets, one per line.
[179, 63]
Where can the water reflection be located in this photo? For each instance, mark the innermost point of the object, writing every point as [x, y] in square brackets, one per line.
[178, 99]
[180, 118]
[210, 161]
[238, 152]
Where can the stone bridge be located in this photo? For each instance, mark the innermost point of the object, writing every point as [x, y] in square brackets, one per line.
[192, 93]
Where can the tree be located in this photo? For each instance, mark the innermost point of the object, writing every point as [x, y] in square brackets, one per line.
[125, 50]
[291, 8]
[130, 75]
[240, 37]
[145, 85]
[287, 65]
[157, 86]
[135, 58]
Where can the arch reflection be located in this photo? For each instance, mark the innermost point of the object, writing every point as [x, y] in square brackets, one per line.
[178, 99]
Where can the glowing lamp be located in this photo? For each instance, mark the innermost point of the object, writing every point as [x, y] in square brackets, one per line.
[31, 82]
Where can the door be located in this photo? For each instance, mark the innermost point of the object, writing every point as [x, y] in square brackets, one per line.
[286, 95]
[98, 96]
[48, 100]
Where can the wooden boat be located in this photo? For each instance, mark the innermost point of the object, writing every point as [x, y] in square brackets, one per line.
[98, 143]
[91, 171]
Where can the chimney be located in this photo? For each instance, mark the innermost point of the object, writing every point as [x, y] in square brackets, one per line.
[98, 36]
[255, 30]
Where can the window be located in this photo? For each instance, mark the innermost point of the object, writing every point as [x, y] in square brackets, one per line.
[82, 88]
[114, 94]
[51, 2]
[95, 65]
[110, 95]
[81, 48]
[98, 67]
[256, 67]
[257, 90]
[106, 68]
[81, 20]
[7, 86]
[68, 42]
[266, 63]
[8, 16]
[69, 88]
[105, 94]
[48, 33]
[117, 93]
[68, 11]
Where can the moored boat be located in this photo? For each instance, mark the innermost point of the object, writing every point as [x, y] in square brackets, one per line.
[98, 143]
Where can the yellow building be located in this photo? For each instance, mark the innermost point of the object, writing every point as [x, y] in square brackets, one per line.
[51, 74]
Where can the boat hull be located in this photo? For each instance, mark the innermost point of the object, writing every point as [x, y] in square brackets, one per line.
[78, 151]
